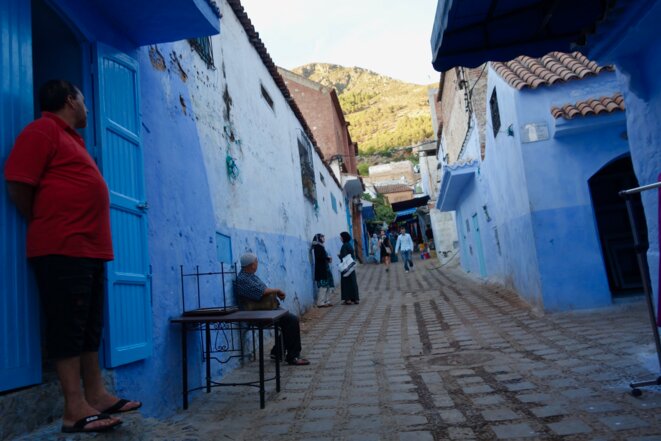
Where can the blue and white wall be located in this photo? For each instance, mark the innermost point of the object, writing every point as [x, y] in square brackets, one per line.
[187, 123]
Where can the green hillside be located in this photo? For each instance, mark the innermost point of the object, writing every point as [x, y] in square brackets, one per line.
[383, 113]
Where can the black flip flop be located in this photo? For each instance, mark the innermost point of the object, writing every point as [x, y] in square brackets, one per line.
[117, 407]
[79, 426]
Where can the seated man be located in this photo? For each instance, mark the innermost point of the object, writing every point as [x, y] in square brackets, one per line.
[249, 287]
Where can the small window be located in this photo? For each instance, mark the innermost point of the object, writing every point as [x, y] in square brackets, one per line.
[204, 49]
[307, 169]
[333, 203]
[224, 248]
[495, 112]
[266, 96]
[322, 179]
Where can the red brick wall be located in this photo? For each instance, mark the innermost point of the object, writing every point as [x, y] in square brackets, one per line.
[328, 127]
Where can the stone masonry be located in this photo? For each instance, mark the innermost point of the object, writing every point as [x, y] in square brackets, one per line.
[436, 355]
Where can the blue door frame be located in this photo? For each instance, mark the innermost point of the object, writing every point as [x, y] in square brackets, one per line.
[20, 349]
[128, 299]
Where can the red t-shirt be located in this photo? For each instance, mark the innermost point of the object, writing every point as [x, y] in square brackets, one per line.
[71, 208]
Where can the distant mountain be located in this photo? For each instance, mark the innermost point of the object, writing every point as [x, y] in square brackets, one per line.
[383, 112]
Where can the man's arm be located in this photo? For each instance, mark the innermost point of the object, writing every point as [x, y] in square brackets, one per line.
[22, 195]
[276, 291]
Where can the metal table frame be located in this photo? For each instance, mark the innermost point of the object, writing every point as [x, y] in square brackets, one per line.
[258, 320]
[641, 253]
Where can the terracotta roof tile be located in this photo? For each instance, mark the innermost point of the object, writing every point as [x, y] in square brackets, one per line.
[553, 68]
[593, 106]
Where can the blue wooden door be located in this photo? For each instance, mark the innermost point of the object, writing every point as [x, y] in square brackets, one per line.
[128, 308]
[477, 239]
[20, 349]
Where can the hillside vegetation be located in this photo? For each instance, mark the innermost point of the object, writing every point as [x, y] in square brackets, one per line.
[383, 113]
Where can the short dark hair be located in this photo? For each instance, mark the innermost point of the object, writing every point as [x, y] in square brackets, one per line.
[346, 237]
[54, 93]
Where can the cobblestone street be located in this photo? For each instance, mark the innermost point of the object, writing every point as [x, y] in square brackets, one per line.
[435, 355]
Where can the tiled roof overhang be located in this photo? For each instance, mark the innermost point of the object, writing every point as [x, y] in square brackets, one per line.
[593, 106]
[553, 68]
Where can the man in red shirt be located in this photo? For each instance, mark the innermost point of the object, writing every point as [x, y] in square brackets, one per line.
[58, 189]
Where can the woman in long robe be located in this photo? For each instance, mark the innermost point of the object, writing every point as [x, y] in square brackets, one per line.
[349, 283]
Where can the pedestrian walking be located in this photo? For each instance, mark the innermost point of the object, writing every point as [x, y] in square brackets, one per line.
[374, 248]
[405, 248]
[386, 249]
[58, 189]
[349, 284]
[323, 275]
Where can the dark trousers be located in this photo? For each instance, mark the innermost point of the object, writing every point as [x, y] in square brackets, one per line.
[291, 334]
[71, 292]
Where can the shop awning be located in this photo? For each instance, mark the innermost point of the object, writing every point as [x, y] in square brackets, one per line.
[470, 32]
[410, 203]
[368, 210]
[404, 213]
[454, 179]
[147, 21]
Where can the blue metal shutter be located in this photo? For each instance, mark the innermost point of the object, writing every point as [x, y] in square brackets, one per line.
[20, 350]
[128, 307]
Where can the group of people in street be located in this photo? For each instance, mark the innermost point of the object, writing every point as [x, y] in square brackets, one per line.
[323, 273]
[382, 250]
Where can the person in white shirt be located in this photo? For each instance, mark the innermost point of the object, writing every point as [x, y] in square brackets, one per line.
[404, 247]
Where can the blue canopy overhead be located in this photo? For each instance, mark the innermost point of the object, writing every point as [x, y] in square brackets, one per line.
[145, 21]
[470, 32]
[455, 178]
[407, 212]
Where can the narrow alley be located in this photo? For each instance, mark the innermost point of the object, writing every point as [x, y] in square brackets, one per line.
[435, 355]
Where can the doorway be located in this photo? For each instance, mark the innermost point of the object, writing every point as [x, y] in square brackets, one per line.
[59, 51]
[615, 234]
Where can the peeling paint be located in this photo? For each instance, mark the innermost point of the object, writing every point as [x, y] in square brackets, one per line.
[157, 59]
[183, 104]
[177, 65]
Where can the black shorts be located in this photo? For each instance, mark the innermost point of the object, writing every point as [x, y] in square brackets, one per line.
[71, 291]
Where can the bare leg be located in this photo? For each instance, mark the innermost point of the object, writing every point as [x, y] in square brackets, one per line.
[75, 404]
[95, 391]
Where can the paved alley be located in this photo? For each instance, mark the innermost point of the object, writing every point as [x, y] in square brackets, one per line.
[435, 355]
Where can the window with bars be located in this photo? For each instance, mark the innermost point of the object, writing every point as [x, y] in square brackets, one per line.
[204, 49]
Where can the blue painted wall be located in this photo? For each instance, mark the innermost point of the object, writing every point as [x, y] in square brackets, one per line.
[538, 231]
[187, 189]
[557, 172]
[632, 44]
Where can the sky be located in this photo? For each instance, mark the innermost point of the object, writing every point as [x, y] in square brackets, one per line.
[390, 37]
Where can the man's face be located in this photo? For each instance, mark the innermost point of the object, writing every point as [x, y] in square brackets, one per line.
[79, 108]
[402, 230]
